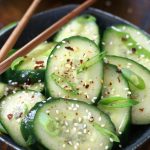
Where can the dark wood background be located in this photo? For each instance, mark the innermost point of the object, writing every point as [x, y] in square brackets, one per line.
[135, 11]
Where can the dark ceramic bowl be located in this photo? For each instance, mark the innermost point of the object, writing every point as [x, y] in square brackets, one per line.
[138, 134]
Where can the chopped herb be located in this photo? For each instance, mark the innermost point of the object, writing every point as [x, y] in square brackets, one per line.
[106, 132]
[133, 78]
[90, 62]
[118, 102]
[17, 62]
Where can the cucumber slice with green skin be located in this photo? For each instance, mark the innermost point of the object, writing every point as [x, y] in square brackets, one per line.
[62, 77]
[141, 111]
[70, 125]
[30, 68]
[84, 25]
[129, 42]
[2, 130]
[7, 27]
[6, 89]
[115, 85]
[39, 87]
[13, 109]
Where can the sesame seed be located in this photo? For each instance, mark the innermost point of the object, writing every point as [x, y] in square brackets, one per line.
[57, 111]
[120, 146]
[111, 140]
[69, 142]
[51, 56]
[75, 147]
[101, 145]
[106, 147]
[66, 123]
[103, 125]
[64, 42]
[67, 131]
[99, 119]
[64, 145]
[58, 46]
[120, 132]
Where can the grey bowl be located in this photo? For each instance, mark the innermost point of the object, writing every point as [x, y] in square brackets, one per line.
[138, 134]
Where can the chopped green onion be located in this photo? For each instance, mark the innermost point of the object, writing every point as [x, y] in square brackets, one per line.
[106, 132]
[16, 62]
[133, 78]
[118, 102]
[59, 79]
[91, 62]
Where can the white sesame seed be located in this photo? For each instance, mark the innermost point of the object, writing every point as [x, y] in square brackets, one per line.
[111, 140]
[67, 131]
[51, 56]
[106, 147]
[102, 125]
[101, 145]
[100, 118]
[64, 42]
[120, 132]
[64, 145]
[58, 46]
[66, 123]
[69, 142]
[79, 119]
[120, 146]
[57, 111]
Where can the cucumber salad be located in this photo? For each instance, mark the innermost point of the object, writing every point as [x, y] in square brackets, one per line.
[80, 91]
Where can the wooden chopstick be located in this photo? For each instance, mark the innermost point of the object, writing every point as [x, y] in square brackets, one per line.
[44, 35]
[18, 30]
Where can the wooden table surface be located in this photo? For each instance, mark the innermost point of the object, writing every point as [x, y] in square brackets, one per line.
[135, 11]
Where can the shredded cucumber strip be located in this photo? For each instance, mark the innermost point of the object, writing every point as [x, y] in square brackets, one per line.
[61, 79]
[106, 132]
[87, 64]
[118, 102]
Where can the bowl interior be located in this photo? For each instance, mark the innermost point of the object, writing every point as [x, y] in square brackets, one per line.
[138, 134]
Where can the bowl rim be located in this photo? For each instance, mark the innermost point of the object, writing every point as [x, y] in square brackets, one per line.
[146, 136]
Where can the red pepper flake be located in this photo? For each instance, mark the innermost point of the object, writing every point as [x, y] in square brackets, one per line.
[87, 86]
[110, 83]
[20, 115]
[38, 67]
[69, 48]
[141, 109]
[91, 119]
[118, 79]
[118, 70]
[124, 39]
[81, 61]
[39, 62]
[68, 60]
[133, 50]
[10, 116]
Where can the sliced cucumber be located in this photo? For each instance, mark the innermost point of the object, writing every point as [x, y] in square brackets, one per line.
[140, 112]
[13, 109]
[129, 42]
[62, 76]
[61, 124]
[7, 27]
[115, 86]
[30, 68]
[84, 25]
[2, 130]
[39, 87]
